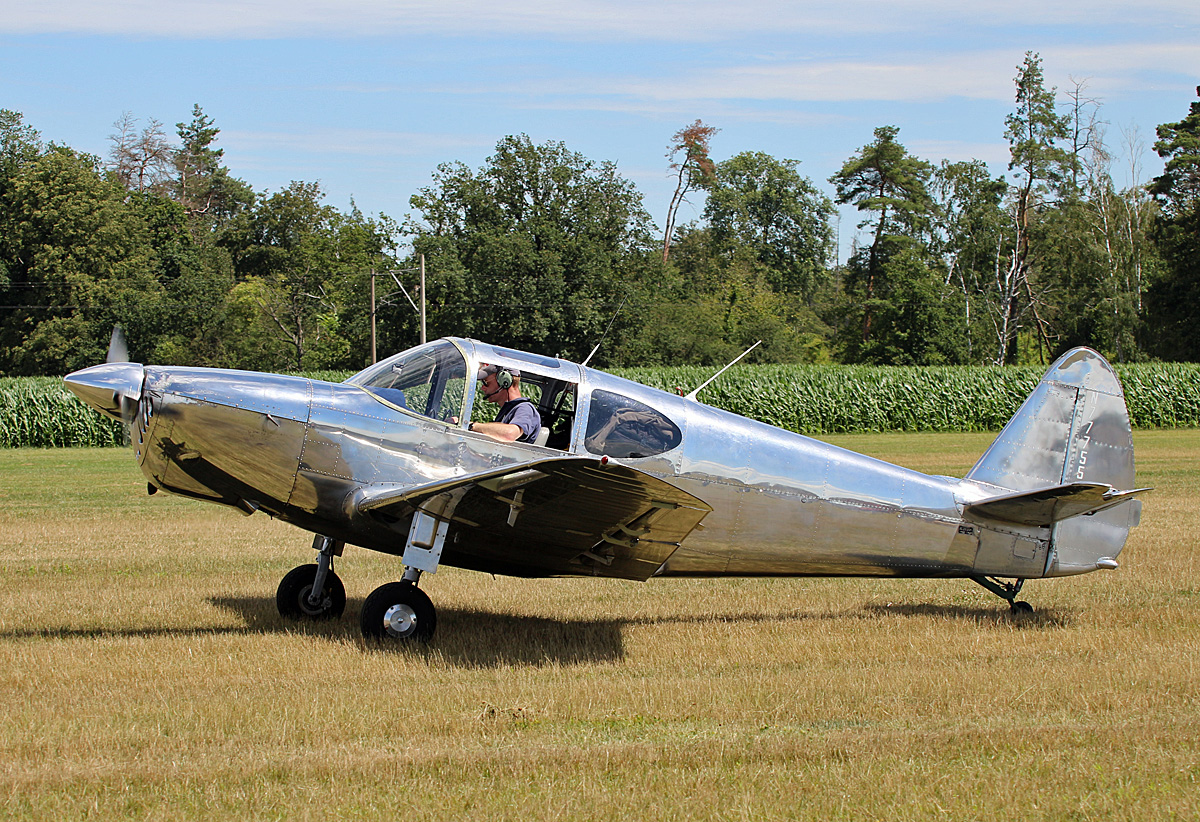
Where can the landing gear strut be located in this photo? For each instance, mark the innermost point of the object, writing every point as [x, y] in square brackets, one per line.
[1007, 591]
[313, 591]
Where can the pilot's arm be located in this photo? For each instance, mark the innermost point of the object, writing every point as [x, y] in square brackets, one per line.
[520, 423]
[503, 431]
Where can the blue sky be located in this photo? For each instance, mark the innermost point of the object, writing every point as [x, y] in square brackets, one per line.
[369, 96]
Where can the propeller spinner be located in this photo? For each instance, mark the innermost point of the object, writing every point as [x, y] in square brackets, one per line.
[114, 389]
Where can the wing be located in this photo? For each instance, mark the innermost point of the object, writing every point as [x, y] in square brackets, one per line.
[1046, 506]
[558, 516]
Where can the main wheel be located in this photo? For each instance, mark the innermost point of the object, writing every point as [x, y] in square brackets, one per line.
[398, 610]
[292, 597]
[1021, 607]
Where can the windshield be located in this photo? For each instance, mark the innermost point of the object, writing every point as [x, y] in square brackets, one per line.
[429, 380]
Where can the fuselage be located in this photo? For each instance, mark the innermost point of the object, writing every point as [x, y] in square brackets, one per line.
[783, 504]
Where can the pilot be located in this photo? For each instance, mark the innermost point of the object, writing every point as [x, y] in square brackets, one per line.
[518, 419]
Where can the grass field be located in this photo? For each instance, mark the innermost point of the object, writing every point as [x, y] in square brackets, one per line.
[146, 675]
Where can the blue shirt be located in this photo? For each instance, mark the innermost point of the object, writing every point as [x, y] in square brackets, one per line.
[521, 413]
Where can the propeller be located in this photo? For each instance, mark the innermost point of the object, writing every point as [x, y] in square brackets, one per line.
[118, 348]
[127, 403]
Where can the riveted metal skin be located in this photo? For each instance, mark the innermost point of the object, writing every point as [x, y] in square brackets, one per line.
[721, 494]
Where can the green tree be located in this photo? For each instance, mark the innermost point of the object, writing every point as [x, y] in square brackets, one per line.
[1096, 259]
[971, 239]
[917, 313]
[79, 260]
[1178, 187]
[288, 261]
[763, 206]
[534, 250]
[187, 200]
[20, 146]
[192, 323]
[883, 180]
[709, 305]
[1172, 301]
[209, 194]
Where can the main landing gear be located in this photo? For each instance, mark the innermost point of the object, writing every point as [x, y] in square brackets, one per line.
[397, 611]
[1007, 591]
[400, 611]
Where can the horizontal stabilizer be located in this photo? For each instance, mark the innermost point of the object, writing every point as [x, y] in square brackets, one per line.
[1046, 506]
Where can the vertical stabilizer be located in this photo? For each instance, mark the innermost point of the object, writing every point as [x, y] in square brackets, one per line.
[1074, 427]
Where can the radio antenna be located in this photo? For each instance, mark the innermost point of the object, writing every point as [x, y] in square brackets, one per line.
[606, 330]
[692, 395]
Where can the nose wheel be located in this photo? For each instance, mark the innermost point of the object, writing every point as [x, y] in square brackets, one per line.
[295, 599]
[398, 611]
[313, 592]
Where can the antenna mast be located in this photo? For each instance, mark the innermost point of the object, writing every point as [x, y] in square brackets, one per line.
[692, 395]
[606, 330]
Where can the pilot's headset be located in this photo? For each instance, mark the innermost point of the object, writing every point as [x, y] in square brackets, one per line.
[504, 378]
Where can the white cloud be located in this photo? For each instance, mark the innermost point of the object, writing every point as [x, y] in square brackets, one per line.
[975, 75]
[894, 78]
[573, 19]
[1118, 63]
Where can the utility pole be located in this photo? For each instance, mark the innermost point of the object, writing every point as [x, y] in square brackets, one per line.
[374, 359]
[419, 309]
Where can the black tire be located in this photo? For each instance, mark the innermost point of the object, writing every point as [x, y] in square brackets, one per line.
[292, 597]
[398, 611]
[1022, 607]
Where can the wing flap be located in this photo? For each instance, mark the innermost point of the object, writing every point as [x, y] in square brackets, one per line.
[563, 515]
[1046, 506]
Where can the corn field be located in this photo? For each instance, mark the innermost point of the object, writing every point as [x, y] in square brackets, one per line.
[39, 412]
[814, 400]
[837, 399]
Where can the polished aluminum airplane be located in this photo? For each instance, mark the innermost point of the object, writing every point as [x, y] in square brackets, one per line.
[623, 480]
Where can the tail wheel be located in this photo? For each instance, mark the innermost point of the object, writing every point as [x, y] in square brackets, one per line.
[295, 589]
[398, 611]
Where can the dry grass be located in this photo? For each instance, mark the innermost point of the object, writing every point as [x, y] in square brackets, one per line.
[146, 675]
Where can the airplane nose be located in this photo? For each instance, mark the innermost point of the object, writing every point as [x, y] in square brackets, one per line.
[113, 389]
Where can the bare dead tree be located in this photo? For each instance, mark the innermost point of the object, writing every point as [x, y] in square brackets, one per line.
[1086, 127]
[140, 159]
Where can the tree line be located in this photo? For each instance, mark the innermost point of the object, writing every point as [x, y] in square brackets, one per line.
[543, 249]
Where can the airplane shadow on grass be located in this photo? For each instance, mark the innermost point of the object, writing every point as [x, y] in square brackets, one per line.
[984, 615]
[476, 637]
